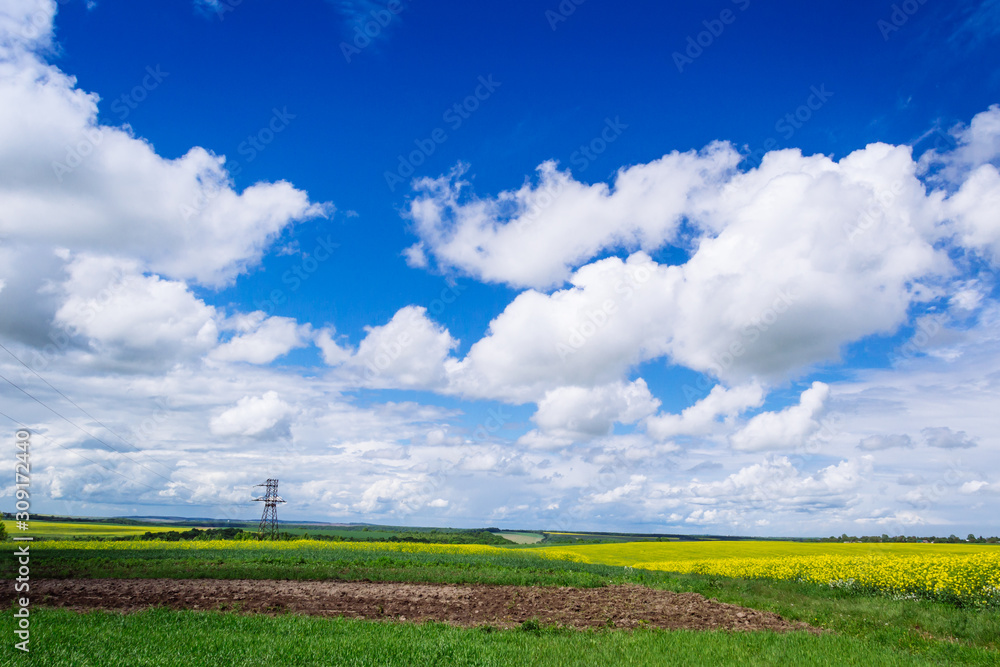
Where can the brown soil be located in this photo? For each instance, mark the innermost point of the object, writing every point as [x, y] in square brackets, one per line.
[502, 606]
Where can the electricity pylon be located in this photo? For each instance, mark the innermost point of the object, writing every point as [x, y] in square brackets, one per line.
[268, 528]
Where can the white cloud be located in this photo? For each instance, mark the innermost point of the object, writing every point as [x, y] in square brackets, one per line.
[634, 486]
[786, 429]
[976, 144]
[974, 486]
[265, 342]
[132, 317]
[944, 438]
[26, 25]
[587, 335]
[702, 417]
[254, 416]
[896, 520]
[753, 301]
[333, 353]
[208, 4]
[399, 495]
[974, 211]
[409, 351]
[582, 413]
[535, 235]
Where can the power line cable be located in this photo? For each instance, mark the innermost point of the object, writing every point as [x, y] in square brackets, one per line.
[91, 435]
[75, 404]
[111, 470]
[34, 433]
[81, 429]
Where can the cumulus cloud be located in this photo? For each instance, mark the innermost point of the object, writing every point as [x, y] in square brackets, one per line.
[973, 210]
[265, 341]
[587, 335]
[583, 413]
[634, 486]
[754, 300]
[128, 316]
[979, 486]
[409, 351]
[255, 416]
[974, 145]
[534, 236]
[702, 417]
[333, 352]
[787, 428]
[400, 495]
[969, 169]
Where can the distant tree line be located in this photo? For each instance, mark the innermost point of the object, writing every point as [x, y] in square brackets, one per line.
[425, 537]
[238, 534]
[951, 539]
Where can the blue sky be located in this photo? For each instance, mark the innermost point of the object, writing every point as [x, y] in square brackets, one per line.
[683, 267]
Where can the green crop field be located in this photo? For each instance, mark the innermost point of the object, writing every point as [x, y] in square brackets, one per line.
[160, 637]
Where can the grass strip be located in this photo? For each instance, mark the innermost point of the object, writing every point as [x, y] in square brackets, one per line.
[183, 638]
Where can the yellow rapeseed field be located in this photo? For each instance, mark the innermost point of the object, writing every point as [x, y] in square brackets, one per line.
[960, 572]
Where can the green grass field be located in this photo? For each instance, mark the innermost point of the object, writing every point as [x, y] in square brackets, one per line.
[865, 629]
[160, 637]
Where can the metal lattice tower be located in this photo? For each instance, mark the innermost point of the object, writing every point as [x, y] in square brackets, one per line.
[268, 528]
